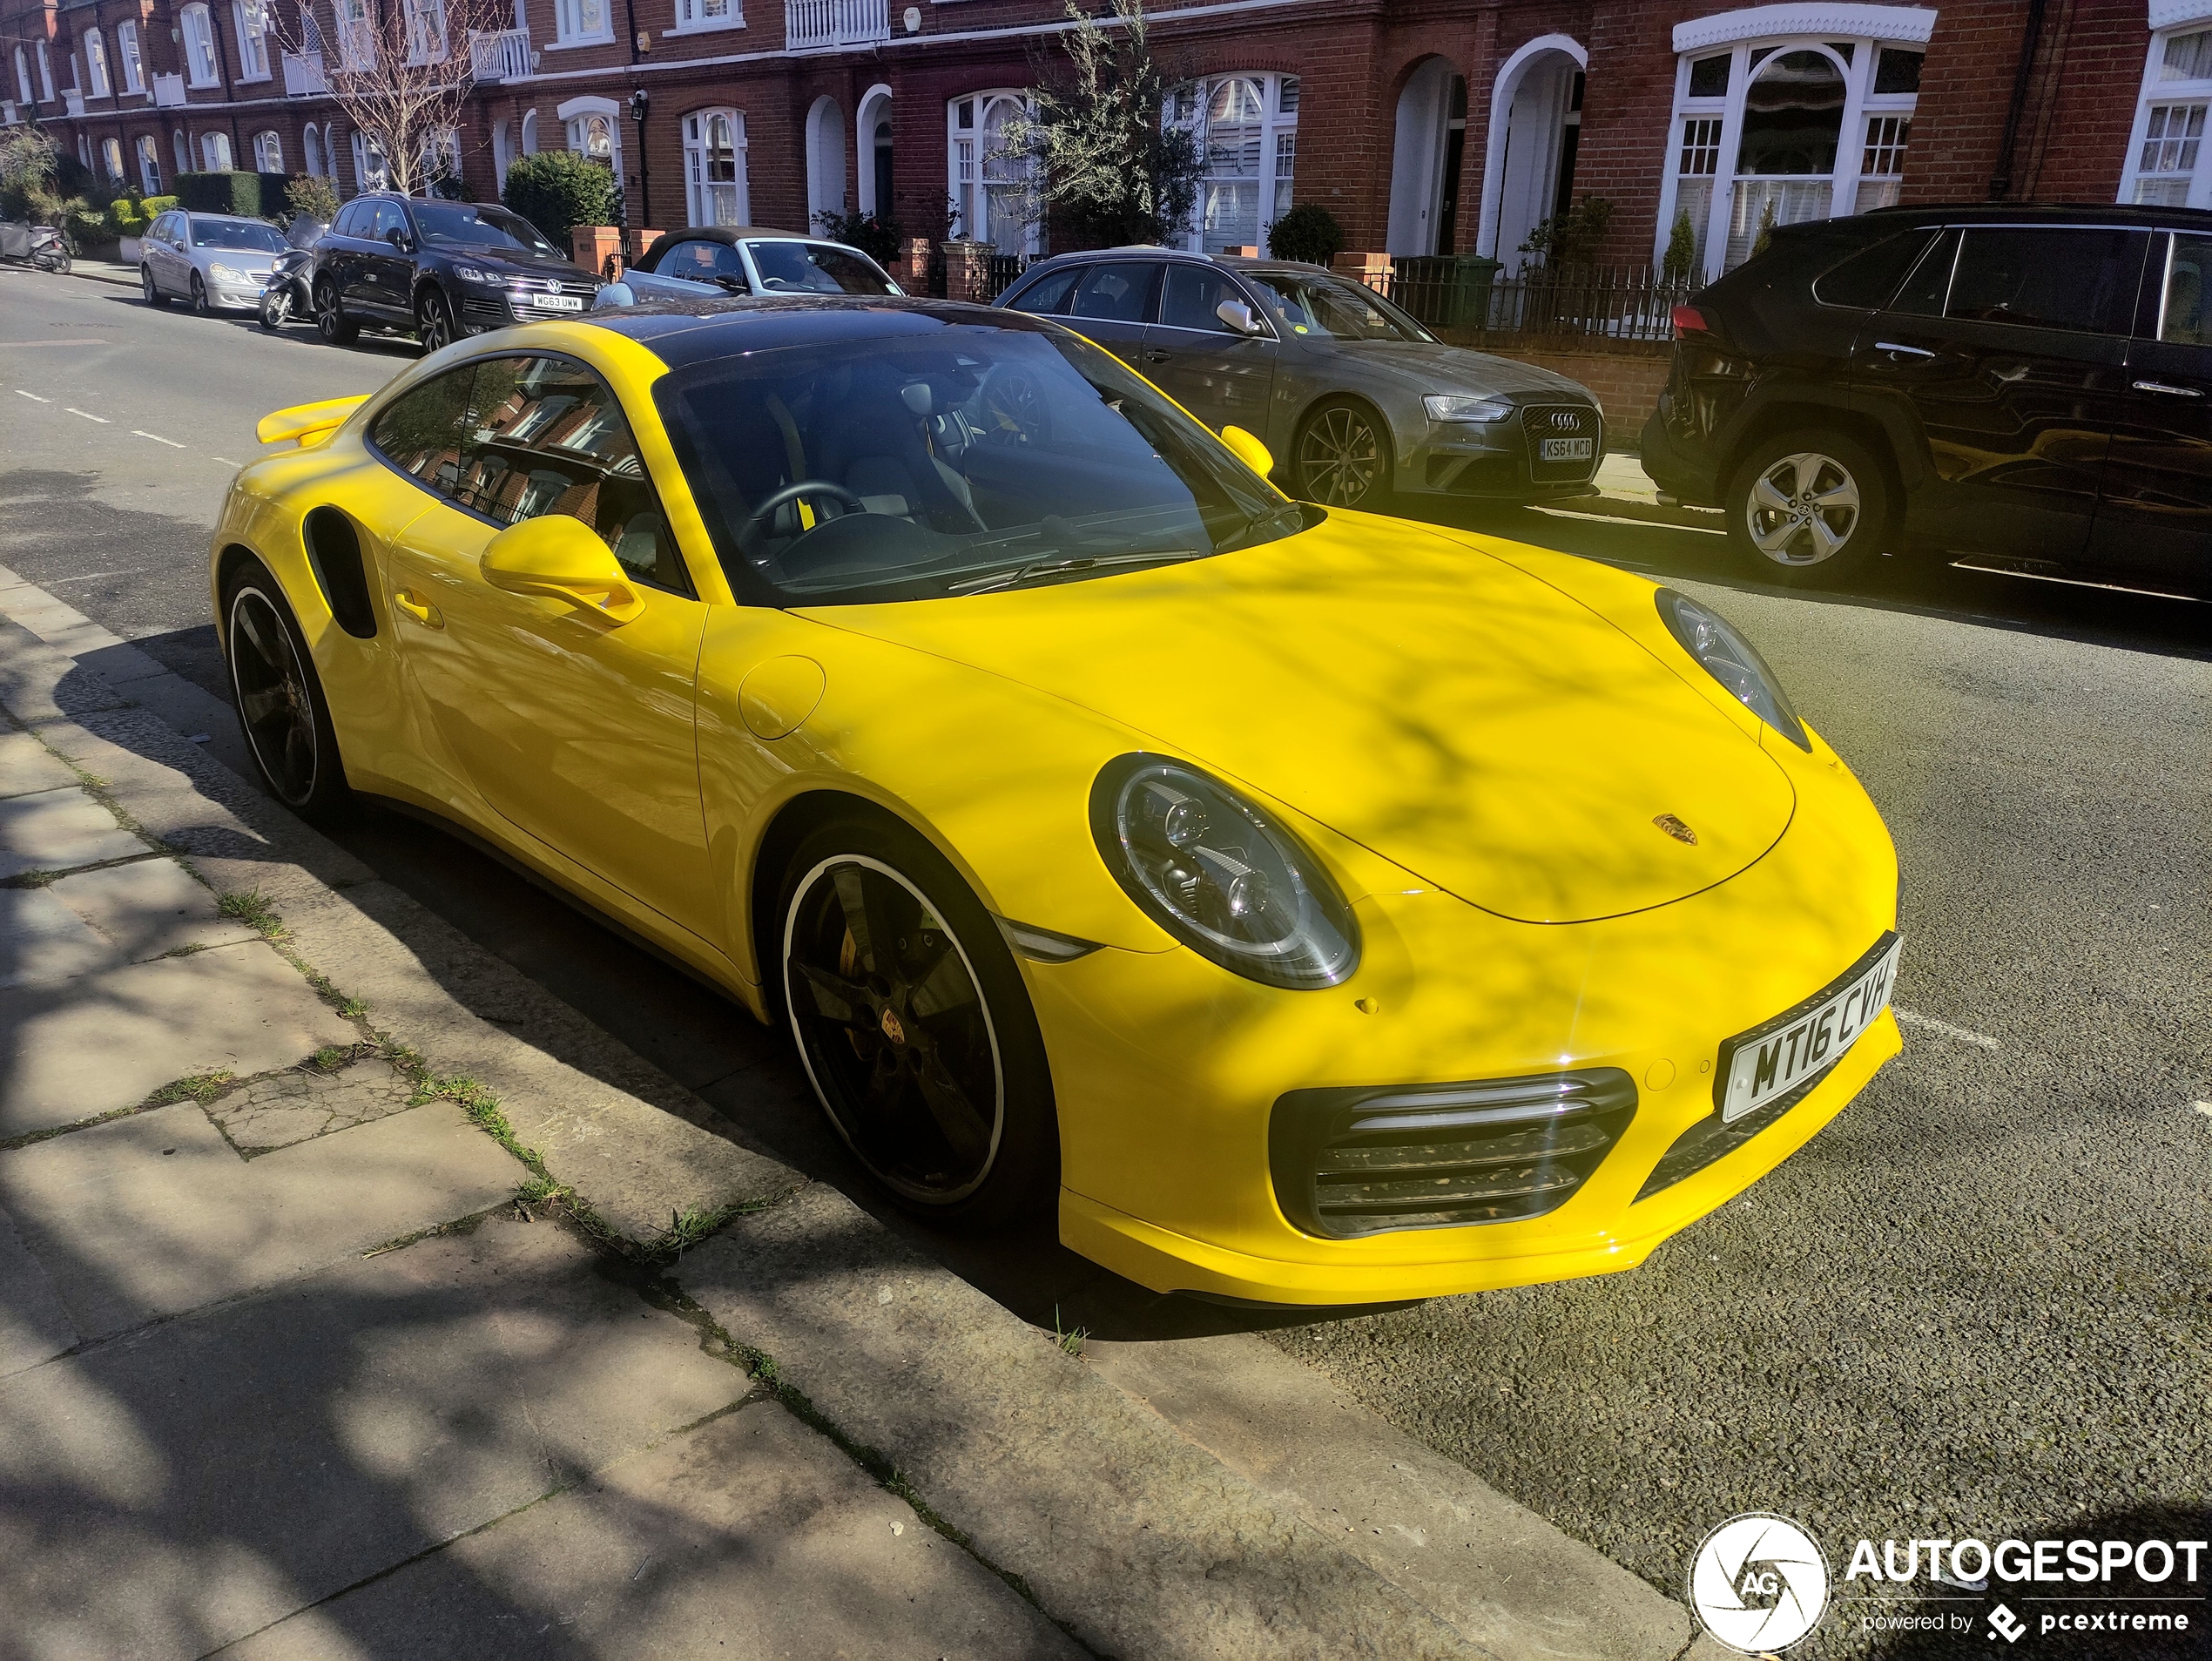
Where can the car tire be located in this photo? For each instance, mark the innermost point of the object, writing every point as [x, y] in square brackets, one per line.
[1341, 457]
[150, 288]
[201, 306]
[433, 321]
[924, 1051]
[1810, 509]
[331, 321]
[279, 698]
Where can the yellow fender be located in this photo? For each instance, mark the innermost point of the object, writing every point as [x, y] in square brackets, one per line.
[308, 425]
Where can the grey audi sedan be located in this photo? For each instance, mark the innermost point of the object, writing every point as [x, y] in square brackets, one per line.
[1355, 399]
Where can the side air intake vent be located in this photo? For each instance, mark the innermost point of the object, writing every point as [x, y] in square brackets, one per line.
[1369, 1160]
[334, 551]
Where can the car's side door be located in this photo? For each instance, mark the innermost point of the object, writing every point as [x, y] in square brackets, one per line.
[1113, 304]
[390, 263]
[1220, 374]
[2009, 343]
[161, 253]
[2155, 518]
[357, 272]
[574, 729]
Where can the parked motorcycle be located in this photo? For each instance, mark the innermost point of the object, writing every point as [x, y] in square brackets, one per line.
[34, 245]
[290, 296]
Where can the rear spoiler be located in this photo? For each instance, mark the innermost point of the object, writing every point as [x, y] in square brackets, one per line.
[308, 425]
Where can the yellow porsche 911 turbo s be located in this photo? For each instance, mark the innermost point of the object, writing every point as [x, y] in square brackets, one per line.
[1314, 908]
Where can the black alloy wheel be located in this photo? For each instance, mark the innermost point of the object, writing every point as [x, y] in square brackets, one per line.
[432, 322]
[276, 307]
[280, 698]
[331, 321]
[200, 305]
[914, 1028]
[1343, 457]
[150, 288]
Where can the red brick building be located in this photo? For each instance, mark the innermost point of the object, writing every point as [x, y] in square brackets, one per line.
[1424, 125]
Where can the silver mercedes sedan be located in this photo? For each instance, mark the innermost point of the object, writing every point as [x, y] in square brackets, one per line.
[212, 260]
[1356, 400]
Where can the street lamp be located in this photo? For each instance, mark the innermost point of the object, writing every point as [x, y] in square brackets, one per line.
[639, 102]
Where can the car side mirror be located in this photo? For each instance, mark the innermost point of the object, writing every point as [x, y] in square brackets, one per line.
[614, 294]
[559, 557]
[1238, 315]
[1249, 450]
[397, 238]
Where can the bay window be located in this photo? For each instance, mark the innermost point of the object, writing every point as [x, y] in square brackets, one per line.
[251, 19]
[98, 83]
[990, 192]
[714, 167]
[199, 44]
[1246, 128]
[126, 50]
[2168, 164]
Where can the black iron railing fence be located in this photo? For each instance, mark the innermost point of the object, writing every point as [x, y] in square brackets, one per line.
[1003, 272]
[1626, 303]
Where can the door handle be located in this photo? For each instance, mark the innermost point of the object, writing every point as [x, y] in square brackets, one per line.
[1893, 347]
[418, 608]
[2165, 391]
[1156, 357]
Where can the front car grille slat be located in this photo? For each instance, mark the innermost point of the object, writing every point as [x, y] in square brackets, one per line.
[1539, 421]
[1365, 1160]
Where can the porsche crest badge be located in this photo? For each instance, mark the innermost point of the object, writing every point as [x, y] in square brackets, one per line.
[1676, 829]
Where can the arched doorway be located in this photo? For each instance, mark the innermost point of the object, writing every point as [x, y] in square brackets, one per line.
[1528, 164]
[872, 135]
[824, 161]
[1424, 164]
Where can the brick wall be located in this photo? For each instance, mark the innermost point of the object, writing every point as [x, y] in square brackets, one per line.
[1627, 384]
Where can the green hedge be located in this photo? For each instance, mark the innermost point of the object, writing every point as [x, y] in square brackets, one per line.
[558, 190]
[257, 196]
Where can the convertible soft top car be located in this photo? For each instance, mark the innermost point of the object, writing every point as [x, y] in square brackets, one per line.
[1313, 907]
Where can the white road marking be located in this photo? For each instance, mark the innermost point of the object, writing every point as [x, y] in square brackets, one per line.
[33, 397]
[87, 577]
[2204, 1108]
[87, 414]
[227, 461]
[156, 437]
[1944, 1028]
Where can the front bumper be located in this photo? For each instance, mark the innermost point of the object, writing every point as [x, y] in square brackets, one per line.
[1500, 461]
[1167, 1071]
[237, 296]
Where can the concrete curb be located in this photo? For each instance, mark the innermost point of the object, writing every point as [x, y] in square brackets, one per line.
[121, 276]
[1120, 1496]
[1652, 513]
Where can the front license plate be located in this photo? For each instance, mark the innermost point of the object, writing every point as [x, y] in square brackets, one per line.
[557, 302]
[1569, 450]
[1772, 1060]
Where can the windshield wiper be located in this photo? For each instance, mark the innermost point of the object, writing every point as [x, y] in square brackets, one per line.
[1062, 567]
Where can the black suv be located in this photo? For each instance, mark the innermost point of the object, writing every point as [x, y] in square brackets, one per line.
[2022, 389]
[443, 269]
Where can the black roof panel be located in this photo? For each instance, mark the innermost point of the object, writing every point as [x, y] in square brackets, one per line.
[685, 332]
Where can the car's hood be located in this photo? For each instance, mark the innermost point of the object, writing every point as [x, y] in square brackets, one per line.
[239, 259]
[1474, 724]
[507, 262]
[1435, 366]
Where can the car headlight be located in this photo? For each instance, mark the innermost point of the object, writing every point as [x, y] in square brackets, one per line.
[222, 273]
[469, 274]
[1221, 875]
[1452, 405]
[1731, 660]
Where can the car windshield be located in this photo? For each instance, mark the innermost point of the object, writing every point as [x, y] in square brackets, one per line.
[248, 236]
[1333, 308]
[814, 267]
[463, 225]
[921, 466]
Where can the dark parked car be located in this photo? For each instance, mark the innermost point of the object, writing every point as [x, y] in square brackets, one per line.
[710, 260]
[443, 269]
[1355, 399]
[2024, 389]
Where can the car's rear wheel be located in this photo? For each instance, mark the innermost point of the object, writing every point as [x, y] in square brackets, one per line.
[1342, 457]
[281, 708]
[331, 321]
[914, 1027]
[150, 288]
[200, 301]
[433, 320]
[1807, 508]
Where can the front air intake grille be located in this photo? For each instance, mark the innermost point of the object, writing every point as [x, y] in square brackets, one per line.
[1569, 422]
[477, 312]
[1371, 1159]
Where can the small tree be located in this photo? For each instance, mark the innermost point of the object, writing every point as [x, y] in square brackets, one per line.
[1572, 238]
[313, 196]
[1682, 249]
[401, 76]
[1766, 228]
[1309, 232]
[1094, 153]
[558, 190]
[29, 157]
[873, 234]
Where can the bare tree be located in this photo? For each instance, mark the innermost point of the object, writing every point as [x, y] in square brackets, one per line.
[400, 71]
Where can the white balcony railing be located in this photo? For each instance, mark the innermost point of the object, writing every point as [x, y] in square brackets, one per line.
[303, 75]
[835, 23]
[504, 55]
[168, 91]
[73, 101]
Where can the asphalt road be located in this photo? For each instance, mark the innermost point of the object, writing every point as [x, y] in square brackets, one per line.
[1976, 1305]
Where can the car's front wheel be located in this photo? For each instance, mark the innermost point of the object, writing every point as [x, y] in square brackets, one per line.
[331, 321]
[433, 320]
[914, 1027]
[150, 288]
[1342, 457]
[279, 697]
[200, 305]
[1809, 508]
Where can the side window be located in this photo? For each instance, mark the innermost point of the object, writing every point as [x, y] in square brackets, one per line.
[1119, 293]
[1048, 296]
[426, 433]
[1190, 295]
[389, 220]
[1928, 286]
[2186, 317]
[2082, 281]
[352, 220]
[1870, 276]
[548, 438]
[702, 260]
[850, 273]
